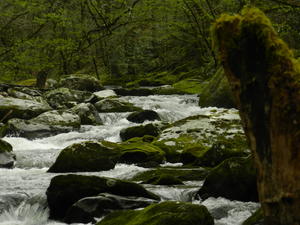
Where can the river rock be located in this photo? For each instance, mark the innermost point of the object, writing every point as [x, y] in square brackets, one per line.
[3, 130]
[234, 179]
[139, 131]
[64, 98]
[217, 92]
[20, 108]
[137, 152]
[82, 82]
[165, 213]
[46, 124]
[133, 91]
[142, 116]
[85, 157]
[26, 93]
[7, 157]
[257, 218]
[114, 105]
[88, 114]
[65, 190]
[105, 94]
[86, 209]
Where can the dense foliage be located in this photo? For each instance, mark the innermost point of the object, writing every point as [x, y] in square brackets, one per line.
[121, 39]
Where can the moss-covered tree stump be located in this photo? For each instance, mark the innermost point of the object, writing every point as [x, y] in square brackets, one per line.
[264, 77]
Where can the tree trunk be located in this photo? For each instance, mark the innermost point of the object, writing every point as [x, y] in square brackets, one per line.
[41, 79]
[265, 80]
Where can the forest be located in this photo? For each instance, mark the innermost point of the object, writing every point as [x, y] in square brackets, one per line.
[150, 112]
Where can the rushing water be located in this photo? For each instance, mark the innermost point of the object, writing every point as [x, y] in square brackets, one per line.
[22, 189]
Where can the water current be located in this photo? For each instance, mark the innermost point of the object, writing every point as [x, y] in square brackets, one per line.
[22, 189]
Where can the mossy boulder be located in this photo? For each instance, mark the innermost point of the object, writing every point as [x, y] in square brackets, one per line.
[139, 131]
[165, 179]
[46, 124]
[7, 157]
[65, 190]
[85, 157]
[142, 116]
[3, 130]
[221, 149]
[82, 82]
[183, 174]
[115, 105]
[166, 213]
[188, 86]
[86, 209]
[88, 114]
[216, 92]
[257, 218]
[141, 153]
[20, 108]
[105, 94]
[65, 98]
[26, 93]
[234, 179]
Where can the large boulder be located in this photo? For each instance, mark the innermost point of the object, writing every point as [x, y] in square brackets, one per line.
[64, 98]
[139, 131]
[86, 209]
[88, 114]
[142, 116]
[138, 152]
[165, 213]
[82, 82]
[46, 124]
[20, 108]
[65, 190]
[114, 105]
[234, 179]
[216, 92]
[7, 157]
[26, 93]
[85, 157]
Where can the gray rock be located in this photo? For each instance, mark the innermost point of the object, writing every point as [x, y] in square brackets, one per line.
[142, 116]
[82, 82]
[88, 114]
[20, 108]
[114, 105]
[7, 157]
[86, 209]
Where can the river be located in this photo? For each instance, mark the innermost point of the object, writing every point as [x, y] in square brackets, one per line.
[22, 189]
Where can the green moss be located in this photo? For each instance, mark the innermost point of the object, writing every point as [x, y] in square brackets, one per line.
[85, 156]
[139, 131]
[256, 218]
[166, 213]
[179, 173]
[190, 86]
[5, 146]
[29, 82]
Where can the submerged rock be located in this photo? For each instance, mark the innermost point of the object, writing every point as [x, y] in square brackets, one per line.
[165, 213]
[46, 124]
[20, 108]
[234, 179]
[82, 82]
[85, 157]
[142, 116]
[86, 209]
[139, 131]
[114, 105]
[65, 190]
[7, 157]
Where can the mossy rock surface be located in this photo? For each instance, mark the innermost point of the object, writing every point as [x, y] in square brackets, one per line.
[82, 82]
[5, 146]
[3, 130]
[46, 124]
[138, 152]
[139, 131]
[65, 190]
[65, 98]
[88, 114]
[86, 209]
[189, 86]
[165, 213]
[20, 108]
[216, 92]
[183, 174]
[142, 116]
[115, 105]
[257, 218]
[85, 157]
[133, 91]
[234, 179]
